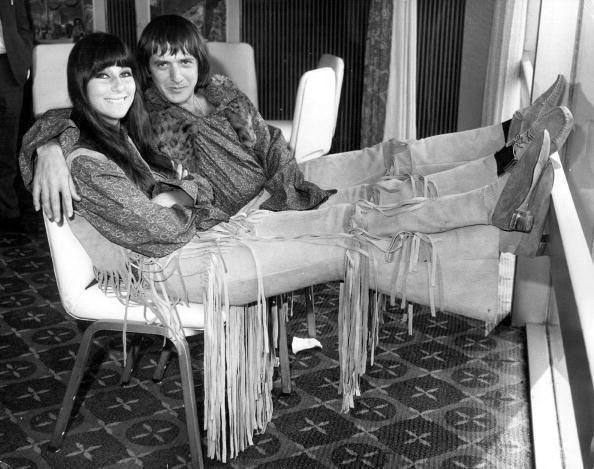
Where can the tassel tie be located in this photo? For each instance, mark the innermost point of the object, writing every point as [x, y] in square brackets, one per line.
[394, 169]
[353, 336]
[414, 247]
[420, 187]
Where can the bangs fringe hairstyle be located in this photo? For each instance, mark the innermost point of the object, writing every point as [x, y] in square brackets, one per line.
[171, 34]
[88, 57]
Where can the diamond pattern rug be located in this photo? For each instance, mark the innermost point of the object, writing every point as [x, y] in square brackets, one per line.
[444, 397]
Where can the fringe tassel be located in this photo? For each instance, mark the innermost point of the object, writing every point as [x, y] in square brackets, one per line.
[353, 325]
[236, 340]
[215, 361]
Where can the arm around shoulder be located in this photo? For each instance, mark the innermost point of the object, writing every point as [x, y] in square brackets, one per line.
[43, 168]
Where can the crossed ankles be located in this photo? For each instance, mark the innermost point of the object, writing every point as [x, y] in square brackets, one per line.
[525, 118]
[558, 122]
[525, 188]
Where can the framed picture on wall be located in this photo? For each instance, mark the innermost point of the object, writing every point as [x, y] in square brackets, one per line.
[61, 20]
[208, 15]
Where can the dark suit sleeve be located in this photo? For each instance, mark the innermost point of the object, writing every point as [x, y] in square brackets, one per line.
[18, 38]
[24, 28]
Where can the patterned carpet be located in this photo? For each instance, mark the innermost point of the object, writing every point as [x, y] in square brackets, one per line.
[445, 397]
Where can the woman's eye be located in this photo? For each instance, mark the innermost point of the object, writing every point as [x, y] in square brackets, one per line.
[126, 74]
[101, 75]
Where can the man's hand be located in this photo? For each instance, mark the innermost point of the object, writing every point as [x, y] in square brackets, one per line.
[180, 172]
[52, 181]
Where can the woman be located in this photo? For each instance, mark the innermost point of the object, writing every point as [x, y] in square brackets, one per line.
[128, 204]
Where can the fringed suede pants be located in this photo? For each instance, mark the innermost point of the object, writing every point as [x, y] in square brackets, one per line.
[410, 221]
[399, 221]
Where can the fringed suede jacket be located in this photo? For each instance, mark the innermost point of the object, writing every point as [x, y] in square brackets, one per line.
[232, 152]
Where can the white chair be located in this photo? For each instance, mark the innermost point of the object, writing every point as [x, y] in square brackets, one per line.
[48, 73]
[310, 132]
[83, 300]
[312, 126]
[336, 64]
[235, 60]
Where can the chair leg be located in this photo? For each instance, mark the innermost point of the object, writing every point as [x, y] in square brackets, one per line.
[183, 352]
[311, 313]
[133, 353]
[283, 350]
[162, 365]
[73, 385]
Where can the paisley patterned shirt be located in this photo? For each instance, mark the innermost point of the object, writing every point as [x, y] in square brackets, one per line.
[124, 214]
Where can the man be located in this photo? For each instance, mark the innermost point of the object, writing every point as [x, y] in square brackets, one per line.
[16, 44]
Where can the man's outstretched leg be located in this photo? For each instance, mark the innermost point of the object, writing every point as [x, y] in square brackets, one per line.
[459, 178]
[439, 153]
[509, 203]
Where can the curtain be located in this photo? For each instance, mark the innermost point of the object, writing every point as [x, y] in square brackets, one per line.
[503, 86]
[389, 83]
[401, 97]
[377, 72]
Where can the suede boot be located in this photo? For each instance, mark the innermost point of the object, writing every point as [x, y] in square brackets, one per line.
[515, 207]
[530, 244]
[558, 122]
[525, 118]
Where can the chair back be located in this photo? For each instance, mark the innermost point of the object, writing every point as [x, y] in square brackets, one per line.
[50, 89]
[336, 64]
[72, 265]
[314, 116]
[235, 60]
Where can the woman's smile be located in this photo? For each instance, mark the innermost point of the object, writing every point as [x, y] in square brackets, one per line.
[111, 92]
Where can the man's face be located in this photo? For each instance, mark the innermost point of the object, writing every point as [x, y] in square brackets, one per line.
[175, 76]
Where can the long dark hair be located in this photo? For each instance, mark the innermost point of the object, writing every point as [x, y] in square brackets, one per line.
[88, 57]
[173, 34]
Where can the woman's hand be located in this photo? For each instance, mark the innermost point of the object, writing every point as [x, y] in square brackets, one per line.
[168, 199]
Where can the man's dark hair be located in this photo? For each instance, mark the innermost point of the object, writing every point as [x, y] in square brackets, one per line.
[171, 34]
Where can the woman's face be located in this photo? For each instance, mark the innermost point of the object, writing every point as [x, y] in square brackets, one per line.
[111, 93]
[175, 76]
